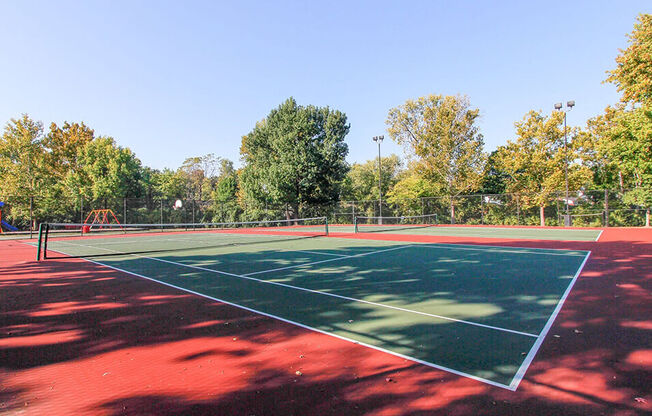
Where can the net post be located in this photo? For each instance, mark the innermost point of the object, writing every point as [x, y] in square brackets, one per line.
[40, 241]
[355, 224]
[326, 222]
[46, 232]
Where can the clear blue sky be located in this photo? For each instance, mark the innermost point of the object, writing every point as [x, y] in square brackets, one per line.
[171, 80]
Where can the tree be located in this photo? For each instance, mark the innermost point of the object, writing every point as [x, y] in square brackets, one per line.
[535, 161]
[167, 184]
[633, 74]
[63, 144]
[201, 175]
[107, 171]
[23, 169]
[226, 189]
[295, 156]
[629, 135]
[494, 179]
[22, 158]
[440, 136]
[632, 152]
[595, 147]
[361, 183]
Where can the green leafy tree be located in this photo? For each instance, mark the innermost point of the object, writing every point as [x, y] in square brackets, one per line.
[167, 184]
[595, 146]
[632, 152]
[407, 190]
[22, 158]
[361, 183]
[494, 179]
[23, 166]
[295, 156]
[633, 73]
[63, 144]
[535, 161]
[627, 142]
[107, 171]
[440, 136]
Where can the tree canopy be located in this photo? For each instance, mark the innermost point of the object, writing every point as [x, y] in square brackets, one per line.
[440, 136]
[295, 156]
[534, 162]
[633, 73]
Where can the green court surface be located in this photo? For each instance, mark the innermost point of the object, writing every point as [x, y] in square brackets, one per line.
[565, 234]
[476, 311]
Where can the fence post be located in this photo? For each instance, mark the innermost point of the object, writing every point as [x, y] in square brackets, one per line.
[81, 209]
[124, 210]
[482, 209]
[606, 208]
[518, 212]
[452, 210]
[161, 211]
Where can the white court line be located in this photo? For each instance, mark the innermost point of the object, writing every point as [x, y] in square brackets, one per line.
[535, 348]
[599, 235]
[364, 344]
[517, 250]
[381, 305]
[314, 252]
[326, 261]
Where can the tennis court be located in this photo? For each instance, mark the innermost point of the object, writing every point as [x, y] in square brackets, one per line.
[477, 311]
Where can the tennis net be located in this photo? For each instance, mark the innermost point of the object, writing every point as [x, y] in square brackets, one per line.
[389, 224]
[57, 240]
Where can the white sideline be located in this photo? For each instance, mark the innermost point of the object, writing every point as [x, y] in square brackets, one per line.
[518, 377]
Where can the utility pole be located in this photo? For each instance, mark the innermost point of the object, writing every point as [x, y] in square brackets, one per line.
[379, 140]
[558, 107]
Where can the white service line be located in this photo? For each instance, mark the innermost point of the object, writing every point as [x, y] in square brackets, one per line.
[381, 305]
[326, 261]
[314, 252]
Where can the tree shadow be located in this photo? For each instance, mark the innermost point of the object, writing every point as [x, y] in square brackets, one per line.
[63, 311]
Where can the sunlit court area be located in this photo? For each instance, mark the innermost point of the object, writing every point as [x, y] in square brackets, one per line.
[330, 209]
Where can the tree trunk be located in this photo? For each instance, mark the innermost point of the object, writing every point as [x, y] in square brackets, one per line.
[542, 215]
[452, 212]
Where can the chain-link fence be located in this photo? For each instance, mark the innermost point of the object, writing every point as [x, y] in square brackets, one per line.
[594, 208]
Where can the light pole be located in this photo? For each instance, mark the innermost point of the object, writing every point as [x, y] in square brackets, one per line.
[379, 140]
[558, 107]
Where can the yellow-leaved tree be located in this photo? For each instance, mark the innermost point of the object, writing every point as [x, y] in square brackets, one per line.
[534, 162]
[442, 142]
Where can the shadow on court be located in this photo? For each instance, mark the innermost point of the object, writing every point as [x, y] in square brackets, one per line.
[80, 338]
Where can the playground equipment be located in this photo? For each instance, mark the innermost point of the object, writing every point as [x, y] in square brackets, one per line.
[100, 216]
[3, 224]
